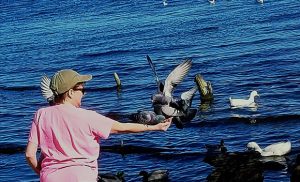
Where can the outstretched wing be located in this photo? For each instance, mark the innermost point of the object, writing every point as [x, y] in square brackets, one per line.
[153, 69]
[170, 111]
[188, 95]
[176, 77]
[45, 88]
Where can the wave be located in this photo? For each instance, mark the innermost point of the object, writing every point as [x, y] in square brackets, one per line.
[8, 148]
[238, 119]
[108, 53]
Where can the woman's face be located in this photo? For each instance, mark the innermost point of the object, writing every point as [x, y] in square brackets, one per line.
[79, 92]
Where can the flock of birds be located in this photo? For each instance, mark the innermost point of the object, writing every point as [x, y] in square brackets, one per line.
[166, 105]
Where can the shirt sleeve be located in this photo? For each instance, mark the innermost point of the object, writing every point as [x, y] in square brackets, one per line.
[33, 134]
[101, 125]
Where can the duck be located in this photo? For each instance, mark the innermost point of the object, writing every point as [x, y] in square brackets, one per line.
[147, 117]
[250, 102]
[219, 148]
[275, 149]
[45, 89]
[109, 177]
[159, 175]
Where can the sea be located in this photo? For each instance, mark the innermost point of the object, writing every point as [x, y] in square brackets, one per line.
[237, 45]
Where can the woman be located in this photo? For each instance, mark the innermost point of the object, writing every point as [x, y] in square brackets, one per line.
[69, 135]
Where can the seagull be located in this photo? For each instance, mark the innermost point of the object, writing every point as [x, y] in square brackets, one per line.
[156, 175]
[147, 117]
[276, 149]
[46, 91]
[212, 1]
[165, 2]
[244, 102]
[260, 1]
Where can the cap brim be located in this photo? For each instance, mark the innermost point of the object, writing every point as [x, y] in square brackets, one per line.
[85, 78]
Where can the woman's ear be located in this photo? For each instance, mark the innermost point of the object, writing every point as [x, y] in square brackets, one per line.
[70, 93]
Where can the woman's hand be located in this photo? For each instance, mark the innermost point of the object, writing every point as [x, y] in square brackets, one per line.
[165, 124]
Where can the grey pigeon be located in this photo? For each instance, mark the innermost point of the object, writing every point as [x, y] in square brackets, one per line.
[165, 104]
[147, 117]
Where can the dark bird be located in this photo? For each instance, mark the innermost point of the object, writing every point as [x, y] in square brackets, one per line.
[236, 167]
[294, 168]
[155, 176]
[147, 117]
[219, 148]
[109, 177]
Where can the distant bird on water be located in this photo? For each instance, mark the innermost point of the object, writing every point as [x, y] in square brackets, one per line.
[147, 117]
[260, 1]
[219, 148]
[276, 149]
[250, 102]
[160, 175]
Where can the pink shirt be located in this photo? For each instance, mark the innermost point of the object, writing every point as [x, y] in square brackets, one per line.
[68, 136]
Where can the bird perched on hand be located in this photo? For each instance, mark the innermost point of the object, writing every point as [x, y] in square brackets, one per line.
[147, 117]
[250, 102]
[164, 102]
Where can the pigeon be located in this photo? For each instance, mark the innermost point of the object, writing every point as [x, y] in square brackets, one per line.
[165, 104]
[147, 117]
[165, 89]
[46, 91]
[276, 149]
[160, 175]
[238, 103]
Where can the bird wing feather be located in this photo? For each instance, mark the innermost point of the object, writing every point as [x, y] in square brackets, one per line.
[188, 95]
[170, 111]
[176, 77]
[45, 87]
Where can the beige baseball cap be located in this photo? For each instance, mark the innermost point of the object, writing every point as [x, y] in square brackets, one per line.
[64, 80]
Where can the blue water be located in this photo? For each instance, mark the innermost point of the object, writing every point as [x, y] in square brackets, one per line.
[237, 45]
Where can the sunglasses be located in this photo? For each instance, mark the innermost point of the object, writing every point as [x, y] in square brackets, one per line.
[80, 89]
